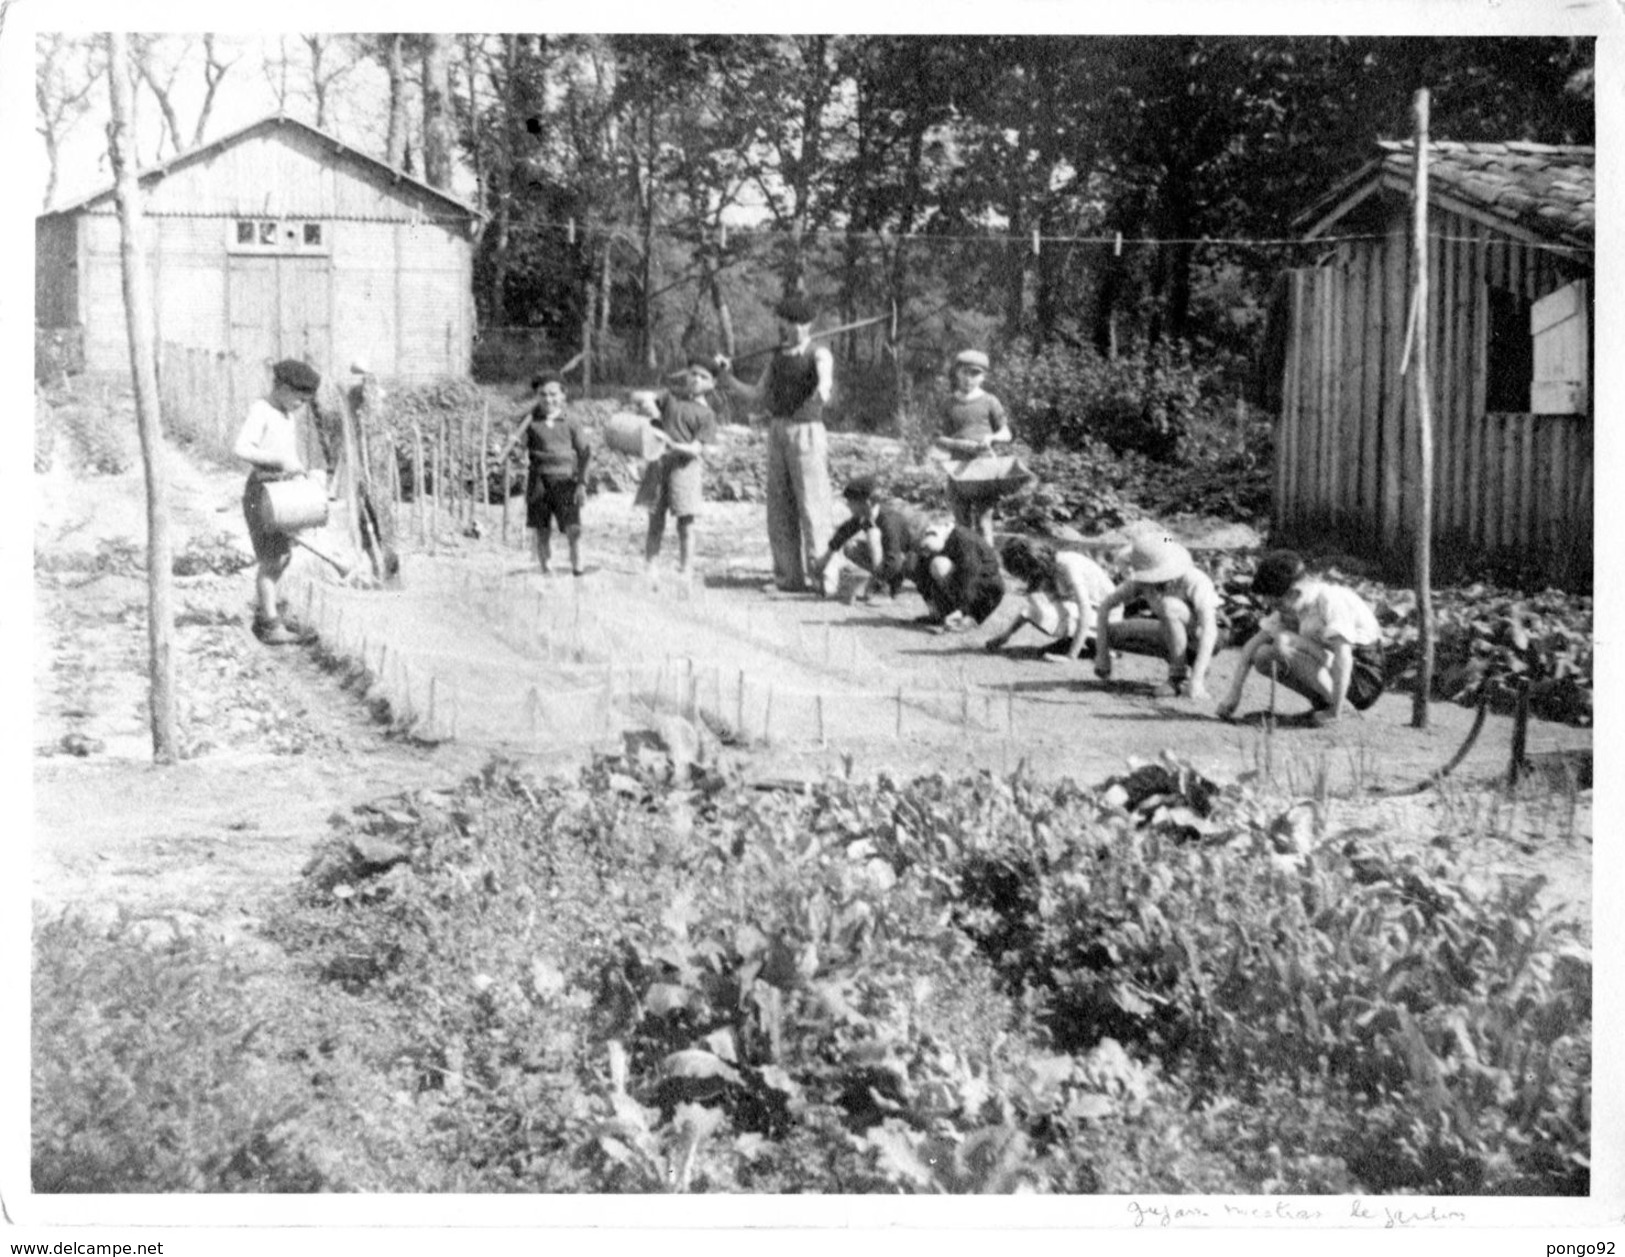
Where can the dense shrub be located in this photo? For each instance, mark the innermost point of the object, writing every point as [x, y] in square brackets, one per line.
[645, 980]
[168, 1066]
[1062, 394]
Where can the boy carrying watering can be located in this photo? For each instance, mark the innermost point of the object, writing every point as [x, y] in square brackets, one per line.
[269, 442]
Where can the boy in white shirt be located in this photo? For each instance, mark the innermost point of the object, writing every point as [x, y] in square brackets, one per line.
[1321, 640]
[269, 441]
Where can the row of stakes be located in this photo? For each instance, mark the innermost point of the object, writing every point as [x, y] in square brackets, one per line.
[674, 687]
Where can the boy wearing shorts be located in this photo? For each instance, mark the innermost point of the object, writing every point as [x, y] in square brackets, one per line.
[878, 537]
[673, 482]
[557, 486]
[1184, 623]
[269, 442]
[1321, 640]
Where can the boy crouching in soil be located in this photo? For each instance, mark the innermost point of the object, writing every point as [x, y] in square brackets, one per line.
[1183, 626]
[269, 441]
[1321, 640]
[673, 482]
[879, 538]
[958, 575]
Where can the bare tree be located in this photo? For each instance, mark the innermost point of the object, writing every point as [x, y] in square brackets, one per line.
[65, 71]
[276, 72]
[327, 66]
[395, 66]
[214, 70]
[436, 110]
[159, 71]
[140, 323]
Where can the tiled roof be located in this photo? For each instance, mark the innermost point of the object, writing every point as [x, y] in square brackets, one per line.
[1544, 188]
[1547, 189]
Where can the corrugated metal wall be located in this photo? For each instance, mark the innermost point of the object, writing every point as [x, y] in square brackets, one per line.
[1508, 487]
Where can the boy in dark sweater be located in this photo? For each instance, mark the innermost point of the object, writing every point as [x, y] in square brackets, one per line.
[880, 538]
[958, 574]
[557, 487]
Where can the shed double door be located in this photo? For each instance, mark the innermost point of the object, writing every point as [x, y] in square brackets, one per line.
[279, 307]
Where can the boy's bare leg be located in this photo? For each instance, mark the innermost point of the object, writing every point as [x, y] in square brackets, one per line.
[574, 538]
[544, 550]
[685, 545]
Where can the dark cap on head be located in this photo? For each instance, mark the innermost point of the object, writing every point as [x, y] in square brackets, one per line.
[1277, 572]
[543, 379]
[796, 309]
[860, 489]
[706, 362]
[296, 374]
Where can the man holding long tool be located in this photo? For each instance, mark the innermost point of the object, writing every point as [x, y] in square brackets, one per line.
[796, 387]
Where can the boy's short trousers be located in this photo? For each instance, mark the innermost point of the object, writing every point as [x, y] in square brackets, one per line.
[1367, 680]
[270, 546]
[671, 483]
[548, 500]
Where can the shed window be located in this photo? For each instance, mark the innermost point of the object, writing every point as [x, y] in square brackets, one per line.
[1511, 357]
[273, 235]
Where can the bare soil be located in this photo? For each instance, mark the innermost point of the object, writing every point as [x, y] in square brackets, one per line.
[543, 671]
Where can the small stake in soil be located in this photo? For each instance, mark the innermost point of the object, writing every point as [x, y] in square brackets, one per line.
[899, 731]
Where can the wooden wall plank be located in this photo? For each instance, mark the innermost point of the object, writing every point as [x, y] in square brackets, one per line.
[1371, 350]
[1353, 377]
[1394, 406]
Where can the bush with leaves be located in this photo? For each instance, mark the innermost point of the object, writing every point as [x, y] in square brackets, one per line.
[168, 1066]
[653, 978]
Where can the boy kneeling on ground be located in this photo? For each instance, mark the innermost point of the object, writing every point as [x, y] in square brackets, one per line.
[878, 538]
[1320, 640]
[269, 440]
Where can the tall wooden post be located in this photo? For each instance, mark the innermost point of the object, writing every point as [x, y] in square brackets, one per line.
[139, 324]
[1424, 418]
[586, 340]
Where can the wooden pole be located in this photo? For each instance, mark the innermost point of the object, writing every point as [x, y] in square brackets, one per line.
[484, 491]
[417, 480]
[1424, 415]
[899, 727]
[739, 706]
[140, 326]
[818, 700]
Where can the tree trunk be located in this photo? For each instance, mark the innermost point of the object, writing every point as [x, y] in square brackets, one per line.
[436, 113]
[395, 143]
[139, 322]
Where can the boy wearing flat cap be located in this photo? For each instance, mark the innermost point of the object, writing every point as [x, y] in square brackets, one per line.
[796, 387]
[269, 443]
[973, 423]
[880, 538]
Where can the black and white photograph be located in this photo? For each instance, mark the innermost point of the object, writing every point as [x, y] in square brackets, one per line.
[835, 623]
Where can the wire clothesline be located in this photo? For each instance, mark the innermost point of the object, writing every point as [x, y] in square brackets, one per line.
[1030, 239]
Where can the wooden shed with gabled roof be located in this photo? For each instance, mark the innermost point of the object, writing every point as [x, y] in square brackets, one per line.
[277, 240]
[1510, 256]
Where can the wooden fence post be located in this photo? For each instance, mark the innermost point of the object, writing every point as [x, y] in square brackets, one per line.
[1424, 413]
